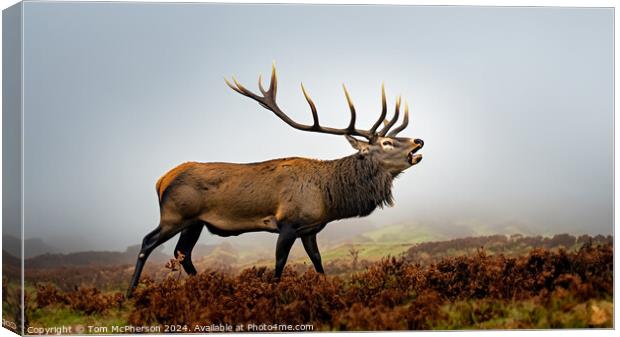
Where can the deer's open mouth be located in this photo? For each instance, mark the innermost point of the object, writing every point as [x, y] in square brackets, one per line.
[413, 158]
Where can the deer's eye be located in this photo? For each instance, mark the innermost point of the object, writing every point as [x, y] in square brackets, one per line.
[387, 143]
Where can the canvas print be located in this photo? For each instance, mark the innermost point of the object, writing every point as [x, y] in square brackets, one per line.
[194, 168]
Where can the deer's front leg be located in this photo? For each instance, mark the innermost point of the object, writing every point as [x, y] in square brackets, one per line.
[312, 249]
[285, 241]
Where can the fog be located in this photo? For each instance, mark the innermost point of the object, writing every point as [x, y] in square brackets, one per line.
[515, 106]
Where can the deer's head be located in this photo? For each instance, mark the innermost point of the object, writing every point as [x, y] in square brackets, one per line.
[395, 154]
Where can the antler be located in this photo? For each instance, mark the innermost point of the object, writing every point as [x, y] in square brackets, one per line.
[268, 101]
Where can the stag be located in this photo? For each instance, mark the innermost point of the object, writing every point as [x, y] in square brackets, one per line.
[293, 197]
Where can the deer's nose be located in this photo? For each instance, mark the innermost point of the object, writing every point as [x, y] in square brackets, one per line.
[419, 142]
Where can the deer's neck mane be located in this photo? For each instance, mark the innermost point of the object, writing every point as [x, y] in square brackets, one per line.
[356, 186]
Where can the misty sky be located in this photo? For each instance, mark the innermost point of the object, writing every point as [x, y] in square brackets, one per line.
[515, 107]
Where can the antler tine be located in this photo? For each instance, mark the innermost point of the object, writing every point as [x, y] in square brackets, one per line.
[351, 107]
[403, 125]
[233, 87]
[393, 120]
[315, 114]
[374, 128]
[273, 86]
[260, 84]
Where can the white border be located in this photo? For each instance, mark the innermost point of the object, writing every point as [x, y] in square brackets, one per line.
[501, 3]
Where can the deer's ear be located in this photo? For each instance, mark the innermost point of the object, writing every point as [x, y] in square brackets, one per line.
[359, 145]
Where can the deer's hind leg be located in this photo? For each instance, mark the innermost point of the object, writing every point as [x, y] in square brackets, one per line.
[187, 240]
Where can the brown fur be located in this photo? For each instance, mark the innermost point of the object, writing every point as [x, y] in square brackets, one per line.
[165, 180]
[304, 192]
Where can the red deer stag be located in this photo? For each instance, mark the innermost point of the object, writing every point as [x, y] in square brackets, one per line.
[294, 197]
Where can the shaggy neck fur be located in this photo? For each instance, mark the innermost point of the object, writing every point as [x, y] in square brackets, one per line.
[356, 186]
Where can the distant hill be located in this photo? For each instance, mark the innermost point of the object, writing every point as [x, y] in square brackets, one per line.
[202, 249]
[401, 233]
[92, 258]
[416, 232]
[32, 247]
[10, 259]
[223, 253]
[513, 245]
